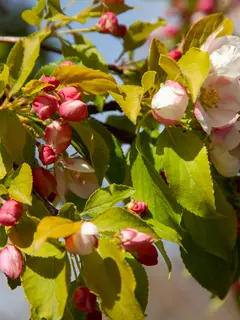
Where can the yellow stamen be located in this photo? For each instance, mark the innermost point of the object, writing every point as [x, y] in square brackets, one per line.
[209, 97]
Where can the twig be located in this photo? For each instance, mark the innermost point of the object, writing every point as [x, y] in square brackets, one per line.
[108, 106]
[47, 204]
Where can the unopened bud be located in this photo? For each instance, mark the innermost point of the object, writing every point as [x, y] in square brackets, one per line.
[45, 106]
[47, 155]
[69, 93]
[138, 207]
[10, 213]
[120, 31]
[58, 135]
[73, 110]
[67, 63]
[54, 83]
[206, 6]
[11, 261]
[44, 182]
[175, 54]
[108, 23]
[84, 241]
[85, 300]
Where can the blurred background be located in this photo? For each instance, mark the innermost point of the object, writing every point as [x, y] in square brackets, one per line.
[180, 297]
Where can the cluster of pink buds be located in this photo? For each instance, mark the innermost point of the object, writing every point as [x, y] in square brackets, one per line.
[11, 261]
[175, 54]
[108, 23]
[10, 213]
[87, 302]
[140, 245]
[67, 101]
[138, 207]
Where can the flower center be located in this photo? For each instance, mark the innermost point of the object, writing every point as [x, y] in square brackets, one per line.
[209, 97]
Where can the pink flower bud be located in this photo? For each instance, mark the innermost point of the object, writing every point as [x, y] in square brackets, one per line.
[84, 241]
[69, 93]
[11, 262]
[138, 207]
[120, 31]
[170, 31]
[169, 103]
[58, 135]
[73, 110]
[85, 300]
[47, 155]
[43, 182]
[67, 63]
[140, 245]
[108, 23]
[51, 80]
[206, 6]
[10, 213]
[45, 105]
[175, 54]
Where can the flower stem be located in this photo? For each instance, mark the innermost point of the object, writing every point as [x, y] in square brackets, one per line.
[72, 31]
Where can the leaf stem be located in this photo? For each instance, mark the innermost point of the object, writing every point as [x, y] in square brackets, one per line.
[72, 31]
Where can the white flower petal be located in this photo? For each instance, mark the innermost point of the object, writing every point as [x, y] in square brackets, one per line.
[221, 118]
[202, 117]
[227, 138]
[78, 165]
[61, 182]
[89, 228]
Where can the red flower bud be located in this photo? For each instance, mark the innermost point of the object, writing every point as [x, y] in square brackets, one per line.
[43, 182]
[73, 110]
[58, 135]
[108, 23]
[67, 63]
[148, 255]
[11, 262]
[45, 105]
[175, 54]
[120, 31]
[47, 155]
[70, 93]
[138, 207]
[10, 213]
[206, 6]
[51, 80]
[85, 300]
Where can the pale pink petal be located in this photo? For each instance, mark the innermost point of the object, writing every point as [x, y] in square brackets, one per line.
[77, 164]
[84, 185]
[89, 228]
[61, 182]
[202, 117]
[236, 152]
[227, 138]
[221, 118]
[226, 164]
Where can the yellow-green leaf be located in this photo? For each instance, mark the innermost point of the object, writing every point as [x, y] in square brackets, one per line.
[156, 49]
[4, 75]
[21, 186]
[34, 86]
[149, 82]
[5, 162]
[111, 278]
[86, 79]
[129, 99]
[195, 66]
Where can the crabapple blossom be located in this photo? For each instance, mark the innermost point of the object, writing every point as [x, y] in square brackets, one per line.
[206, 6]
[11, 261]
[84, 241]
[169, 103]
[54, 83]
[138, 207]
[85, 300]
[58, 135]
[45, 106]
[175, 54]
[69, 93]
[47, 155]
[73, 110]
[107, 23]
[10, 212]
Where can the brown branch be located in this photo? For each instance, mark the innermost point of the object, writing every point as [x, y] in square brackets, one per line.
[108, 106]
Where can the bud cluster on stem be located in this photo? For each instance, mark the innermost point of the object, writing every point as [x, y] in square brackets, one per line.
[108, 23]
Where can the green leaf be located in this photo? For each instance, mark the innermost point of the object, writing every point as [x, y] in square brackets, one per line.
[150, 82]
[117, 163]
[21, 186]
[29, 148]
[13, 140]
[22, 236]
[138, 33]
[4, 75]
[113, 283]
[185, 162]
[97, 147]
[55, 228]
[3, 237]
[161, 248]
[172, 69]
[38, 209]
[116, 8]
[5, 162]
[195, 66]
[34, 86]
[217, 236]
[69, 211]
[3, 190]
[156, 49]
[105, 198]
[151, 189]
[142, 290]
[54, 12]
[114, 219]
[45, 283]
[129, 99]
[22, 58]
[213, 273]
[34, 16]
[201, 30]
[85, 79]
